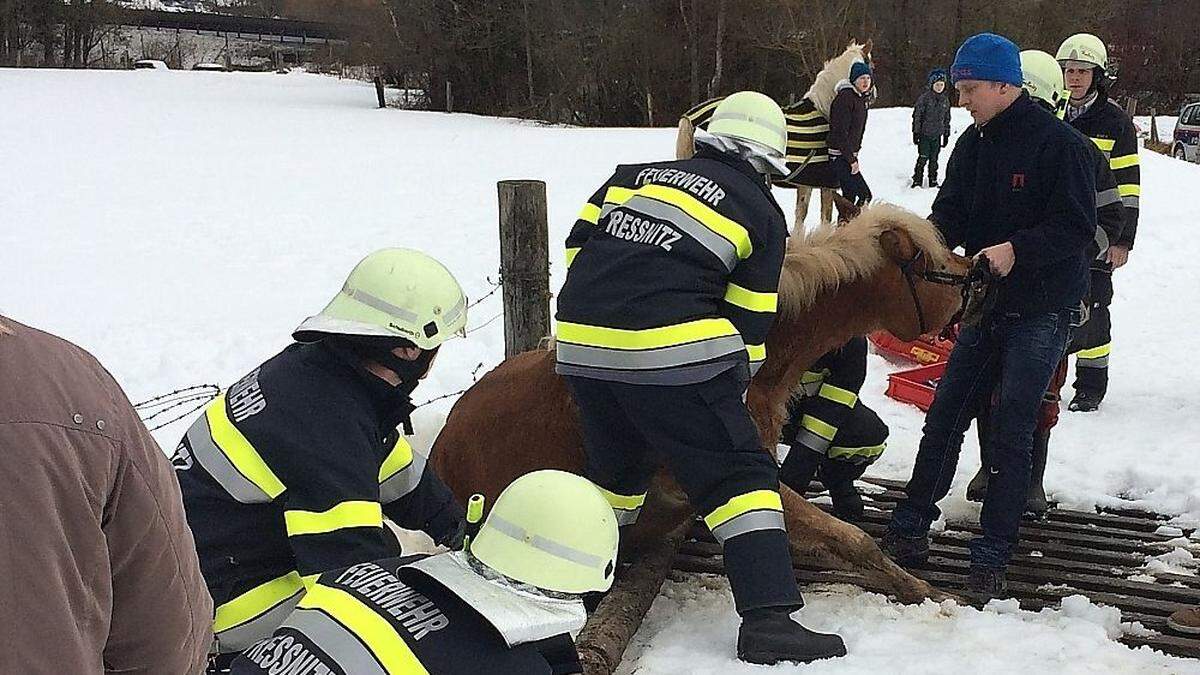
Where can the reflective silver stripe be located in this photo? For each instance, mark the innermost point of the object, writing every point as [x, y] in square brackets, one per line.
[403, 481]
[205, 450]
[380, 304]
[646, 359]
[335, 640]
[754, 366]
[458, 308]
[544, 545]
[719, 246]
[626, 516]
[1100, 362]
[1106, 197]
[1101, 240]
[812, 441]
[668, 377]
[752, 521]
[1131, 201]
[242, 636]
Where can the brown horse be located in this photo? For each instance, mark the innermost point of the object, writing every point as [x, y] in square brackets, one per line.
[837, 282]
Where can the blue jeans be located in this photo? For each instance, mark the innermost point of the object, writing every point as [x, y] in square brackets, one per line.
[1020, 353]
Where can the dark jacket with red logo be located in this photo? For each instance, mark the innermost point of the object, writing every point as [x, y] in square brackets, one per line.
[1028, 178]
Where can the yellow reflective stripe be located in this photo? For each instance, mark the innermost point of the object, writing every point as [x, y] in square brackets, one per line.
[818, 427]
[757, 352]
[590, 213]
[397, 460]
[571, 253]
[726, 228]
[255, 601]
[754, 301]
[618, 195]
[838, 395]
[811, 376]
[1123, 162]
[1095, 352]
[650, 338]
[866, 451]
[1130, 190]
[1105, 144]
[241, 454]
[744, 503]
[368, 626]
[346, 514]
[619, 501]
[310, 580]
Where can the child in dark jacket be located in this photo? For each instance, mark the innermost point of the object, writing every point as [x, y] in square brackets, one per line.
[847, 122]
[931, 126]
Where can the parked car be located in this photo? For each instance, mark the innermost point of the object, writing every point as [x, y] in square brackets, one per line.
[215, 67]
[1186, 143]
[150, 64]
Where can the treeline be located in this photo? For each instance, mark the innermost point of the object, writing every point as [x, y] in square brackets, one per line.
[635, 62]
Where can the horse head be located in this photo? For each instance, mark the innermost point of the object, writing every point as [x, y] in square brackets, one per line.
[923, 278]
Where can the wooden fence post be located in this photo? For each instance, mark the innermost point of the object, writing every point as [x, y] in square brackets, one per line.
[524, 264]
[1154, 125]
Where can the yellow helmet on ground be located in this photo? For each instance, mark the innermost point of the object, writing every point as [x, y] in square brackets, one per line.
[1043, 79]
[553, 530]
[751, 116]
[1084, 47]
[394, 292]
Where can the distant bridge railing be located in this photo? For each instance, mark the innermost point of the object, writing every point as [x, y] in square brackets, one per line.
[264, 28]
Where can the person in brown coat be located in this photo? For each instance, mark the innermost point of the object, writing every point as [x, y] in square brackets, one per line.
[98, 571]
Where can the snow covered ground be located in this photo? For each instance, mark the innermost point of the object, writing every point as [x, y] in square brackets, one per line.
[180, 224]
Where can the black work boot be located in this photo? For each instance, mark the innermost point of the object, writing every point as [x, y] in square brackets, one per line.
[1085, 401]
[905, 551]
[986, 583]
[916, 181]
[1036, 502]
[847, 503]
[977, 488]
[769, 636]
[799, 468]
[933, 179]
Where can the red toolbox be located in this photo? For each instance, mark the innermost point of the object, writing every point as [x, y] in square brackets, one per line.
[925, 350]
[916, 385]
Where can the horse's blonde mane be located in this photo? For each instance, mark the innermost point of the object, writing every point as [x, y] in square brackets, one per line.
[831, 255]
[822, 91]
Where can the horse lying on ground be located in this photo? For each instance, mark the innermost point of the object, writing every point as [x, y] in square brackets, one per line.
[837, 282]
[807, 129]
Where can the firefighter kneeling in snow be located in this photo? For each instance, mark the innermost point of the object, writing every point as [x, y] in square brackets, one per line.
[833, 435]
[290, 473]
[670, 291]
[507, 605]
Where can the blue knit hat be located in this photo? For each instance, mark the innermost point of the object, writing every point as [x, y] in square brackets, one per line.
[935, 75]
[858, 70]
[988, 57]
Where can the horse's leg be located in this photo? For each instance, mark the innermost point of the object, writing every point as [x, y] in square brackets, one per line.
[819, 537]
[827, 205]
[803, 193]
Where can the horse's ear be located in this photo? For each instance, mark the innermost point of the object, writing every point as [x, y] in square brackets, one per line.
[897, 244]
[866, 49]
[846, 210]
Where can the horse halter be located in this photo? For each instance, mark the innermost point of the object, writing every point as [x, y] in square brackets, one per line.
[967, 281]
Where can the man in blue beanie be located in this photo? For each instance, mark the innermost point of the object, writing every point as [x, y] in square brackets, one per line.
[1020, 192]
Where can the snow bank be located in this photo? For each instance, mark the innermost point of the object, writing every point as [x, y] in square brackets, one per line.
[180, 224]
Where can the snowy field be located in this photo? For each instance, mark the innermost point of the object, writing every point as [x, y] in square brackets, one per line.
[180, 224]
